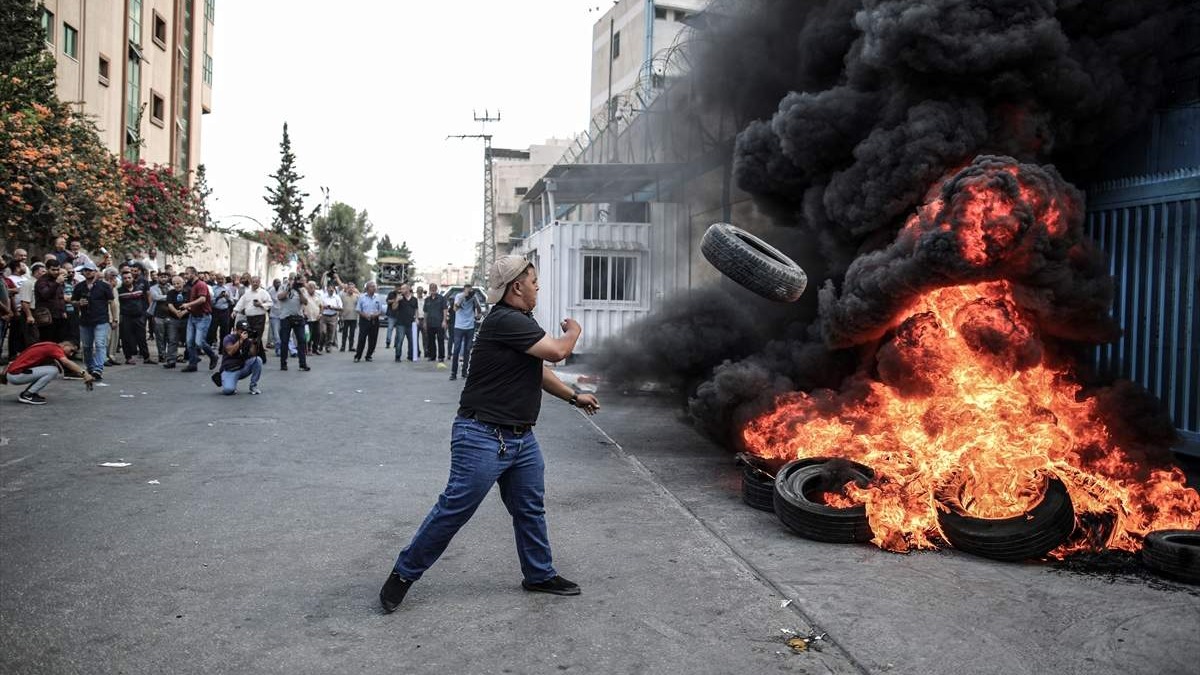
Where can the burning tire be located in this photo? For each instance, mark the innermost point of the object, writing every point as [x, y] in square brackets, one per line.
[1032, 534]
[1174, 553]
[753, 263]
[758, 488]
[796, 486]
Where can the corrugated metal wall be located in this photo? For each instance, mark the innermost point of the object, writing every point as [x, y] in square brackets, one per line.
[1149, 230]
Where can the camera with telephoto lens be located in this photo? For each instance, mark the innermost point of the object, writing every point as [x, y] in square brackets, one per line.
[243, 326]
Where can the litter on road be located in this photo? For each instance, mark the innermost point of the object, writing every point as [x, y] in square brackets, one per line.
[153, 482]
[116, 465]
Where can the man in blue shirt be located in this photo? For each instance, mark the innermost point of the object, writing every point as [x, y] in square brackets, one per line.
[370, 307]
[466, 313]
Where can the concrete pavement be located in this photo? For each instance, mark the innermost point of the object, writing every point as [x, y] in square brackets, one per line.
[274, 519]
[925, 613]
[251, 534]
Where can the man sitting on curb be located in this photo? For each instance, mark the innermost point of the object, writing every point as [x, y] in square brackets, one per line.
[240, 359]
[38, 364]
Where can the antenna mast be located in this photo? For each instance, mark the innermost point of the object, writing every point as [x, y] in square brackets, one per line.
[487, 245]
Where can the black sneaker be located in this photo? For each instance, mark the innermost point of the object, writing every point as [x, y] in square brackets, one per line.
[393, 592]
[555, 585]
[368, 358]
[96, 375]
[216, 378]
[212, 362]
[283, 366]
[305, 368]
[189, 369]
[31, 398]
[453, 376]
[168, 365]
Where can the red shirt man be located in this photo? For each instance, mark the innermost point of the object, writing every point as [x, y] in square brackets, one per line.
[200, 299]
[38, 364]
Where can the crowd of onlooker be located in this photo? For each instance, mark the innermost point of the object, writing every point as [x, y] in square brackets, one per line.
[72, 307]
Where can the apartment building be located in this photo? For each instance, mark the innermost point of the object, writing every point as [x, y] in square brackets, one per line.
[141, 69]
[630, 44]
[514, 172]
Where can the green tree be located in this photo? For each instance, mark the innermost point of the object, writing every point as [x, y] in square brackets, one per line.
[286, 198]
[200, 194]
[56, 176]
[26, 68]
[343, 237]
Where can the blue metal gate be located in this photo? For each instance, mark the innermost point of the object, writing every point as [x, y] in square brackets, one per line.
[1149, 231]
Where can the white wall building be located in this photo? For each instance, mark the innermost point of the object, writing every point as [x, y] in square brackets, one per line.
[607, 275]
[514, 173]
[626, 40]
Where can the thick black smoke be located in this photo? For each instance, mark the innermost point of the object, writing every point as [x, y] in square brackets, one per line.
[993, 220]
[926, 85]
[855, 109]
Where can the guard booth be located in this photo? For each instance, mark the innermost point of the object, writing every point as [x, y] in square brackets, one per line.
[607, 253]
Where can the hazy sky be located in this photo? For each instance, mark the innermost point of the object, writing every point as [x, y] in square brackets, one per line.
[370, 89]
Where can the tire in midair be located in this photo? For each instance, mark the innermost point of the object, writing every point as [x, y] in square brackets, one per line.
[758, 488]
[1174, 554]
[753, 263]
[1029, 535]
[797, 480]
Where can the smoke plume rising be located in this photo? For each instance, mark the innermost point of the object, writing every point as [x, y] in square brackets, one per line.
[855, 110]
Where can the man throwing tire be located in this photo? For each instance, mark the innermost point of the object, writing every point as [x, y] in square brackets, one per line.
[492, 438]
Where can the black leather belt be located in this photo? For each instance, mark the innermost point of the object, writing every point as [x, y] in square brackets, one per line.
[514, 429]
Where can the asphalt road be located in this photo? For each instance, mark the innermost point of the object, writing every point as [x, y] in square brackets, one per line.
[251, 534]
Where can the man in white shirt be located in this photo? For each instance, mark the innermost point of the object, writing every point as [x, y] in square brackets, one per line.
[331, 310]
[255, 304]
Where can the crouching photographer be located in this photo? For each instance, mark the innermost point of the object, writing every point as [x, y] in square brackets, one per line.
[240, 359]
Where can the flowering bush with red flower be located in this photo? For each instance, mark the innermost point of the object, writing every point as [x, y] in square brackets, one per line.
[56, 177]
[161, 209]
[280, 248]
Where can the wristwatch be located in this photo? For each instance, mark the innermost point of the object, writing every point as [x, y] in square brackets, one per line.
[574, 400]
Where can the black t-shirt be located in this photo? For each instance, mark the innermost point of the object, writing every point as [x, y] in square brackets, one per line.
[406, 310]
[133, 298]
[505, 383]
[174, 298]
[435, 310]
[98, 297]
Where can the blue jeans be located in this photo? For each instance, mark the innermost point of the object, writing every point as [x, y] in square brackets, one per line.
[229, 378]
[197, 338]
[94, 340]
[405, 331]
[461, 345]
[480, 456]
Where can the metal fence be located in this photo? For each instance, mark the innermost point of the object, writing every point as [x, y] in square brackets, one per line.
[1149, 230]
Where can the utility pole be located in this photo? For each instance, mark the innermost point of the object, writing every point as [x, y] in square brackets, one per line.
[487, 248]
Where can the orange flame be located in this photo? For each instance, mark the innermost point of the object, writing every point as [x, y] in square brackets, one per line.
[964, 390]
[983, 405]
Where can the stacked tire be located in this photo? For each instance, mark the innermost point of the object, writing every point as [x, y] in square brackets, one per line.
[758, 488]
[1030, 535]
[795, 486]
[1174, 554]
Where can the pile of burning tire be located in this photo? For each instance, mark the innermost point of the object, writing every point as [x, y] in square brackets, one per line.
[798, 493]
